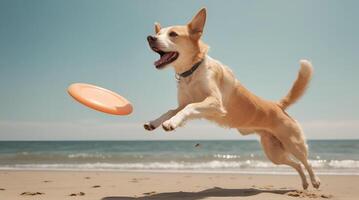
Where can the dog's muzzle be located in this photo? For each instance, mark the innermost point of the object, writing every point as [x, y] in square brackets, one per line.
[166, 57]
[152, 40]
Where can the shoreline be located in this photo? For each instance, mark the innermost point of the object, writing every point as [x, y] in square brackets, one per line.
[240, 172]
[110, 185]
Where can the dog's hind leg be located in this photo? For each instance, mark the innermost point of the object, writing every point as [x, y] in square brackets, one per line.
[293, 141]
[275, 152]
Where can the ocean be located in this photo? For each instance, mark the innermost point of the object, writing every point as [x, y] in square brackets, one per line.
[326, 156]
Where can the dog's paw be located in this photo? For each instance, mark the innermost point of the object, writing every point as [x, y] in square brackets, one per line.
[148, 126]
[168, 126]
[316, 183]
[305, 185]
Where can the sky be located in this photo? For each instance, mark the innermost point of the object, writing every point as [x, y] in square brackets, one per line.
[46, 45]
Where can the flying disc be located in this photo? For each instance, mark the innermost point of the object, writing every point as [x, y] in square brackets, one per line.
[100, 99]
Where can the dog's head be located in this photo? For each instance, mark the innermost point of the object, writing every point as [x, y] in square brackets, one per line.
[178, 45]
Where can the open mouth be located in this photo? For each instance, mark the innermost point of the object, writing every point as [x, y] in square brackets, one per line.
[165, 57]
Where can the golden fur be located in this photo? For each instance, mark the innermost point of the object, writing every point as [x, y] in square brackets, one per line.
[212, 92]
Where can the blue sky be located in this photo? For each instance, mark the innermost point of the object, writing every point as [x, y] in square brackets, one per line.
[47, 45]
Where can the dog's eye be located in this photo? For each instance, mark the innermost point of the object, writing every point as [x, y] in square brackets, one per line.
[173, 34]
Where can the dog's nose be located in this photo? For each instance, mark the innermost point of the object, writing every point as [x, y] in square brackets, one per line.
[151, 38]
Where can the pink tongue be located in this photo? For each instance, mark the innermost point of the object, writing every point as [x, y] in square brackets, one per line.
[164, 58]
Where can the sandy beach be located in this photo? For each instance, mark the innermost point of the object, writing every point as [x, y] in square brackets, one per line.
[56, 185]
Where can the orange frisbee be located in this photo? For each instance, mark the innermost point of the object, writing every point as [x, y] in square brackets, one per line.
[100, 99]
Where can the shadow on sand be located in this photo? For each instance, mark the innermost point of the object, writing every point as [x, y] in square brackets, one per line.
[213, 192]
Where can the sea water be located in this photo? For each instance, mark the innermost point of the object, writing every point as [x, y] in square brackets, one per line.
[326, 156]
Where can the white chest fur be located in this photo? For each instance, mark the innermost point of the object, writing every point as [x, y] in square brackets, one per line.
[193, 88]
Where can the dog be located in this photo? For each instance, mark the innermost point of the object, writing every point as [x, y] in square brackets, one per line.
[208, 89]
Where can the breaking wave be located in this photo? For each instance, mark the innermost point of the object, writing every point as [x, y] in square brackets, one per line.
[215, 165]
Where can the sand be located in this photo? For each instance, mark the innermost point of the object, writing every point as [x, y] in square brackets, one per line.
[61, 185]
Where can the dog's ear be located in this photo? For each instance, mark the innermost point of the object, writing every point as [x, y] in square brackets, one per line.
[157, 27]
[196, 25]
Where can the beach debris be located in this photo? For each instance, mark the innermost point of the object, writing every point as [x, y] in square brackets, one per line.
[77, 194]
[326, 196]
[31, 193]
[150, 193]
[2, 189]
[46, 181]
[197, 145]
[96, 186]
[87, 177]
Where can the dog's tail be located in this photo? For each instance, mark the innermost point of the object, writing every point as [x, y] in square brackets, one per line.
[300, 85]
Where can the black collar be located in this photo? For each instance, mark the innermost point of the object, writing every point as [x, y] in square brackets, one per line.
[190, 71]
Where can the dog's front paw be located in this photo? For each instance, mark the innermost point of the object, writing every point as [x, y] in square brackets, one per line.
[148, 126]
[168, 126]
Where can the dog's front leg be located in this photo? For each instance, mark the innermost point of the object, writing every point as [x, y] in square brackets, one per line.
[211, 106]
[151, 125]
